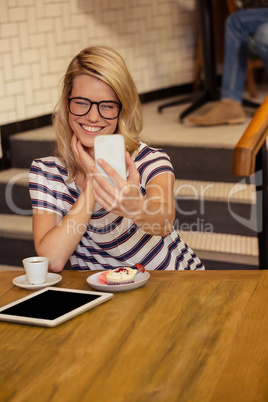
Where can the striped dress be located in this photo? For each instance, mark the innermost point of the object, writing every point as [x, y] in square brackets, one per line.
[111, 241]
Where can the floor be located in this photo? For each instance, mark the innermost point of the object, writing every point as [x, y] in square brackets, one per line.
[165, 127]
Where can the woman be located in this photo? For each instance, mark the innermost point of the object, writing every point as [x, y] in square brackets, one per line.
[77, 213]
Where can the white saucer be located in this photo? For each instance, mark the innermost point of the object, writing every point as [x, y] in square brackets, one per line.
[21, 281]
[140, 279]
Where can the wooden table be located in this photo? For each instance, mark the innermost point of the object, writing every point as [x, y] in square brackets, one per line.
[185, 336]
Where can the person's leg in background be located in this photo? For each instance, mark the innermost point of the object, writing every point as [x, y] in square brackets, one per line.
[243, 30]
[259, 42]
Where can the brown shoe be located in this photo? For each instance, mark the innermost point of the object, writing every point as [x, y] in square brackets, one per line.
[226, 111]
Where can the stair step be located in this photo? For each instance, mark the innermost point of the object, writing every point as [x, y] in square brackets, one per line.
[215, 247]
[215, 191]
[212, 191]
[188, 161]
[11, 268]
[14, 193]
[15, 174]
[16, 239]
[16, 227]
[197, 203]
[27, 146]
[45, 134]
[221, 247]
[192, 163]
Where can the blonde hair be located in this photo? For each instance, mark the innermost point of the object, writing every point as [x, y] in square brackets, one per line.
[107, 65]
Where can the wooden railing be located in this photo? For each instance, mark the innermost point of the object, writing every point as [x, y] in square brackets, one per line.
[250, 158]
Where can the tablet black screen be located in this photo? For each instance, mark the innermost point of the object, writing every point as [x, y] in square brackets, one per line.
[50, 304]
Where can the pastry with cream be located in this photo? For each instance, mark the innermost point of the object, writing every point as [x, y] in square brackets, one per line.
[120, 276]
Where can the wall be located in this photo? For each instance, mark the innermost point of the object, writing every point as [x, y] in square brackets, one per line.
[38, 38]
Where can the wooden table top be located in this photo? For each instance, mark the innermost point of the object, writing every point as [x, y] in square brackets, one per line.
[184, 336]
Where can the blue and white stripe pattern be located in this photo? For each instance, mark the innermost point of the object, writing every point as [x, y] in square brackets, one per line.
[111, 241]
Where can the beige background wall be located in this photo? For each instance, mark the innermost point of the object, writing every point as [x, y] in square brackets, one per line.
[38, 38]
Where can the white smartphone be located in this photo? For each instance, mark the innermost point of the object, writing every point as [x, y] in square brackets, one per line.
[111, 148]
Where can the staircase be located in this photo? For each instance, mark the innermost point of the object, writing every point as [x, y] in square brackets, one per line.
[16, 238]
[215, 214]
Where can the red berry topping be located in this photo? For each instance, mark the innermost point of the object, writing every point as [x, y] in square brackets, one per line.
[140, 267]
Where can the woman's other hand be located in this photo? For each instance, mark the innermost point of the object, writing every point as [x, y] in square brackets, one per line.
[82, 157]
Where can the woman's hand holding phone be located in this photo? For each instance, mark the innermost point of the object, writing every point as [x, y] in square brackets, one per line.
[123, 197]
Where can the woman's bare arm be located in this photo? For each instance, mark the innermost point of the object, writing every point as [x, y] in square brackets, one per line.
[56, 238]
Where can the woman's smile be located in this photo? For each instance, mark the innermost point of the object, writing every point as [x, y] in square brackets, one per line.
[91, 129]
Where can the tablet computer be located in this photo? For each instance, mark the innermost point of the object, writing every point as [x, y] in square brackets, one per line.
[52, 306]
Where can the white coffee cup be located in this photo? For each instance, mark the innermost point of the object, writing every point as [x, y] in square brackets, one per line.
[36, 269]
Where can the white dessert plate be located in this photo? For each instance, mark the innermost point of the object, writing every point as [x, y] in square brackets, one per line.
[140, 279]
[21, 281]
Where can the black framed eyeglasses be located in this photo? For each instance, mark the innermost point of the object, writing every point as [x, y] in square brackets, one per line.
[107, 109]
